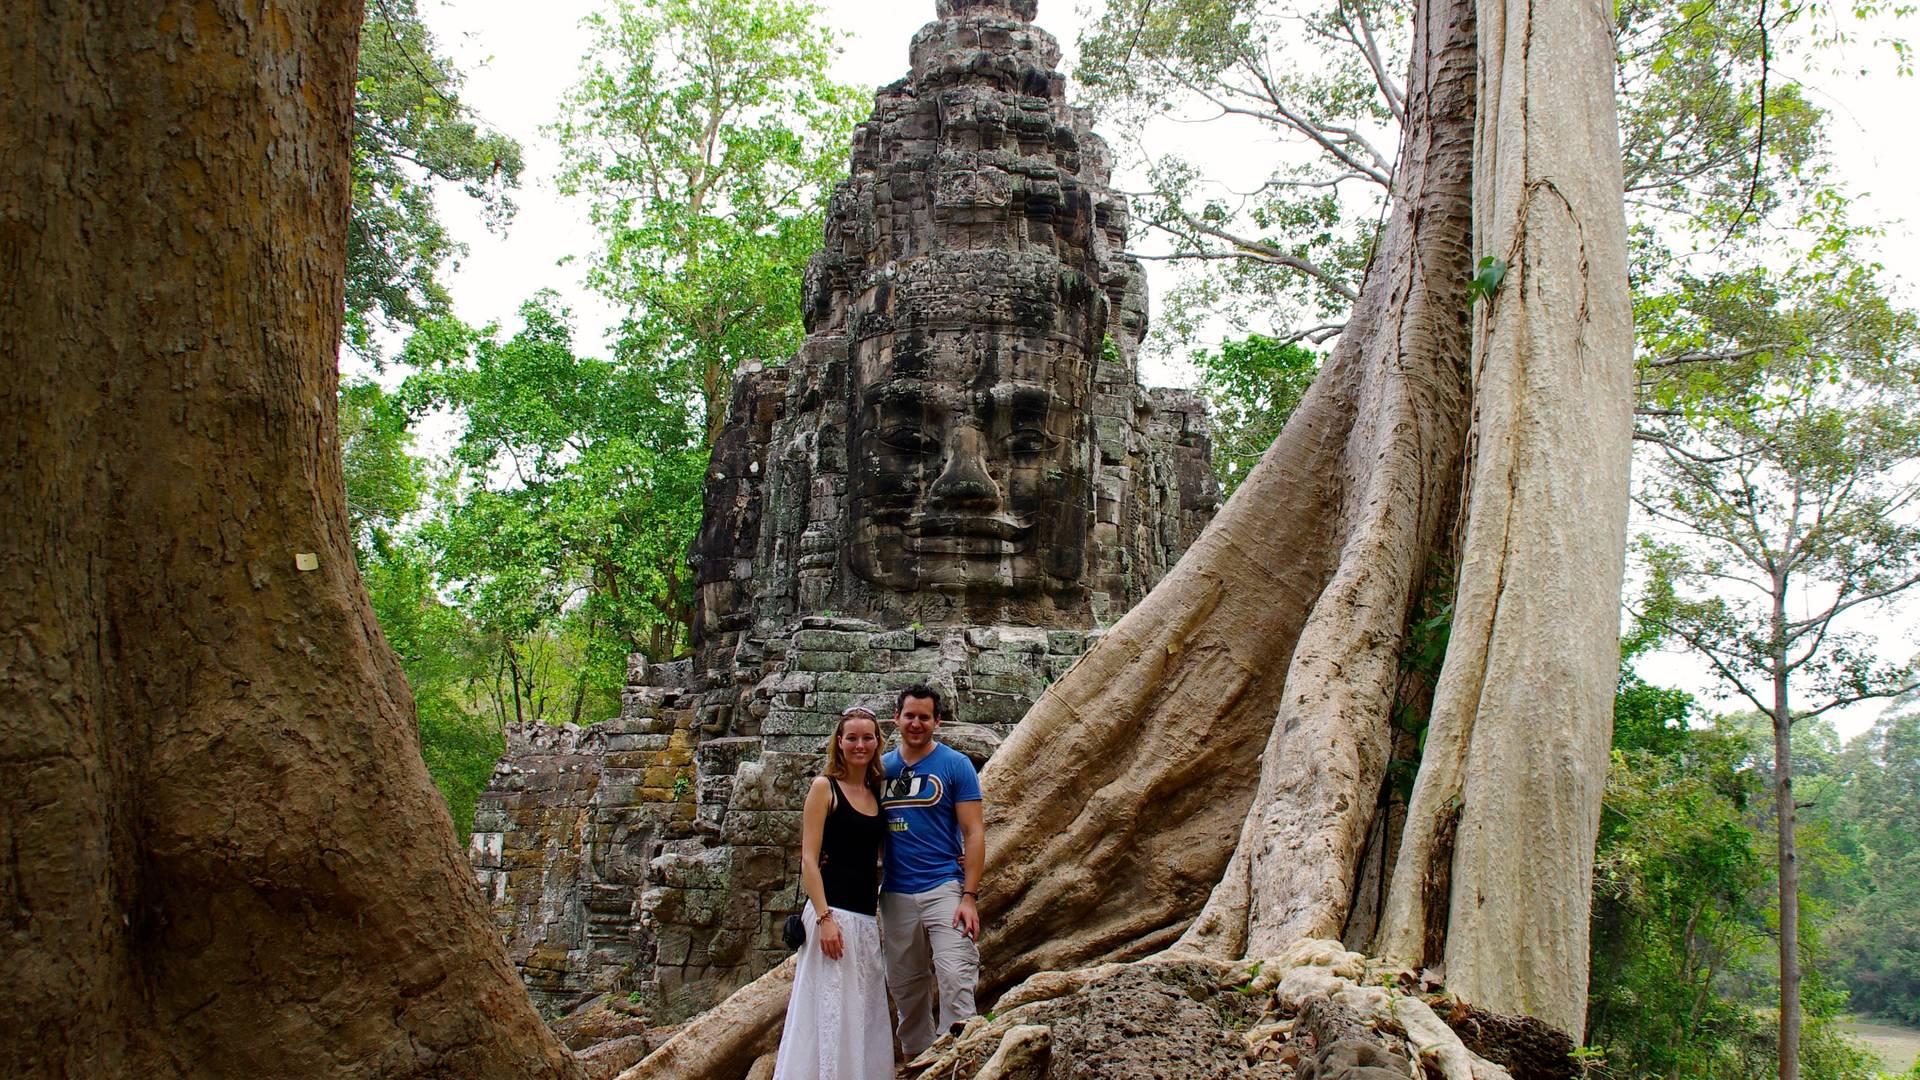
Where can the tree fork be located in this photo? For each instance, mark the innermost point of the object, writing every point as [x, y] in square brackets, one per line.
[222, 853]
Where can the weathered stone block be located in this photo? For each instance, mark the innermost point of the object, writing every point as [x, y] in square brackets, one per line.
[1071, 642]
[828, 640]
[762, 828]
[808, 722]
[822, 661]
[777, 781]
[758, 869]
[705, 869]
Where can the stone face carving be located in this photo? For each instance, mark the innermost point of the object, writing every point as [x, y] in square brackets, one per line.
[974, 472]
[957, 479]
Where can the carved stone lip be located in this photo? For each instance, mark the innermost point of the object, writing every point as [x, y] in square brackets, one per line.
[967, 526]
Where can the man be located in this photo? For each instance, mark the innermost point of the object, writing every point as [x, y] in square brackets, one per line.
[936, 847]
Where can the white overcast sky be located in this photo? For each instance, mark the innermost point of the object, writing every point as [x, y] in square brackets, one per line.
[521, 57]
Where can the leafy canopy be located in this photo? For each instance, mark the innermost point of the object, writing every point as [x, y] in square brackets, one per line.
[577, 485]
[410, 130]
[705, 135]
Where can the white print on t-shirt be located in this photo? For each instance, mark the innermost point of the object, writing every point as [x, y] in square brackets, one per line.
[910, 790]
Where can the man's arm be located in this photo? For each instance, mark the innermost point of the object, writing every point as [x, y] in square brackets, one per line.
[973, 859]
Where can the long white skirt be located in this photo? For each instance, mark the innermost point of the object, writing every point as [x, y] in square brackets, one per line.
[837, 1023]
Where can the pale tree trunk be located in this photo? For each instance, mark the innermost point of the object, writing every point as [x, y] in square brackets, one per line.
[1293, 869]
[220, 854]
[1516, 753]
[1208, 776]
[1784, 814]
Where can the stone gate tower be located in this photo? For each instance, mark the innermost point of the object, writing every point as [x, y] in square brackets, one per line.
[957, 479]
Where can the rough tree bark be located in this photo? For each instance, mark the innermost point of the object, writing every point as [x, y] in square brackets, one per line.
[220, 854]
[1209, 776]
[1517, 748]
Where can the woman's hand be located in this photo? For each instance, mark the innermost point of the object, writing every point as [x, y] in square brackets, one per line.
[830, 943]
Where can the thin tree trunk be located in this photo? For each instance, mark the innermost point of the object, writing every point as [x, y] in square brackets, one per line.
[1784, 814]
[220, 853]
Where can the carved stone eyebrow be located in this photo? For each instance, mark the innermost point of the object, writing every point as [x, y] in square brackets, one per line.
[1023, 395]
[911, 392]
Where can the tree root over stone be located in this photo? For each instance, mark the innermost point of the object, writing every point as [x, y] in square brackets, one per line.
[1315, 1012]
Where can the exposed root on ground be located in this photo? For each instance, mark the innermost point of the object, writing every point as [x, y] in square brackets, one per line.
[1314, 1010]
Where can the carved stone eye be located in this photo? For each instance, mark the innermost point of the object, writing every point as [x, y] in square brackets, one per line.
[1030, 441]
[907, 439]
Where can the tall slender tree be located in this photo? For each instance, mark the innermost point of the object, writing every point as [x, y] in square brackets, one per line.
[222, 854]
[410, 131]
[1785, 507]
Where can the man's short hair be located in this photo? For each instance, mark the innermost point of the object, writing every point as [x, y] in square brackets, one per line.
[919, 690]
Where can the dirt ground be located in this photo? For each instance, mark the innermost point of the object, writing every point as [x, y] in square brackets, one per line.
[1898, 1047]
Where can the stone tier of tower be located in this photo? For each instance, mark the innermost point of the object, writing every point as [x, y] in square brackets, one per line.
[957, 479]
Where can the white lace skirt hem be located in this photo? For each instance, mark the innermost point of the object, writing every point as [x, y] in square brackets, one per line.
[837, 1024]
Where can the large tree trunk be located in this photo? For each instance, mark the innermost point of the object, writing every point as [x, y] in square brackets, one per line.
[1294, 869]
[220, 854]
[1222, 752]
[1517, 748]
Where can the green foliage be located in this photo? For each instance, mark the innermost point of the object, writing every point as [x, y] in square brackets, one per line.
[384, 481]
[1700, 153]
[410, 130]
[1422, 654]
[577, 491]
[1787, 467]
[1682, 939]
[1874, 812]
[436, 645]
[1486, 279]
[1252, 384]
[444, 660]
[706, 134]
[1285, 254]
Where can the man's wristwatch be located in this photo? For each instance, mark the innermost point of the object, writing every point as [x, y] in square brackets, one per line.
[970, 892]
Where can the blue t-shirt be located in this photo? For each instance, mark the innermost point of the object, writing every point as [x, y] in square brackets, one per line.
[924, 842]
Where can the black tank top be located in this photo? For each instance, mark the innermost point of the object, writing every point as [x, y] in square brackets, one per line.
[849, 854]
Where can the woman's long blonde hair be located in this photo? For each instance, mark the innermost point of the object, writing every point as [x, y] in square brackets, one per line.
[837, 765]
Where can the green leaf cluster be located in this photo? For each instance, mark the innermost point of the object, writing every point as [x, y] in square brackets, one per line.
[441, 651]
[1683, 903]
[410, 130]
[1251, 384]
[705, 135]
[576, 490]
[1873, 812]
[1785, 464]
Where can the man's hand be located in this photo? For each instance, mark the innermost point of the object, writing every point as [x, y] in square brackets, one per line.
[967, 917]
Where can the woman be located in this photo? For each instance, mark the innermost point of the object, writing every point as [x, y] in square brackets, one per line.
[837, 1025]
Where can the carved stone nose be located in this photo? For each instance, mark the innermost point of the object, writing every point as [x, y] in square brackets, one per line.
[965, 480]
